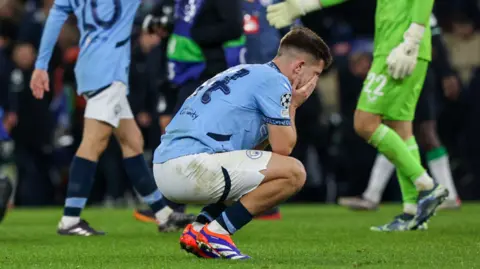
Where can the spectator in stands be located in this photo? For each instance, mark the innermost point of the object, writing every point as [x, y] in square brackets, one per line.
[207, 39]
[463, 44]
[357, 156]
[32, 135]
[162, 25]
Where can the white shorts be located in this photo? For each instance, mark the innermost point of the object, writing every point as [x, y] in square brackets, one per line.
[211, 178]
[109, 106]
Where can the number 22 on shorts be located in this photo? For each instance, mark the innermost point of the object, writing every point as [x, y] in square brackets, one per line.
[374, 86]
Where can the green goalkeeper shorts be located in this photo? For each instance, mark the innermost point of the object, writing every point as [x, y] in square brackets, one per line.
[393, 99]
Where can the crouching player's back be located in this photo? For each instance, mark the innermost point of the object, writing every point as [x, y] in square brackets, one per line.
[206, 155]
[229, 112]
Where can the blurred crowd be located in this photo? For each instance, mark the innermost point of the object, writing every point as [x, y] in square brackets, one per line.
[45, 133]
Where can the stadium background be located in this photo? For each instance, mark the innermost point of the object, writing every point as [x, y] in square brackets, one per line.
[46, 133]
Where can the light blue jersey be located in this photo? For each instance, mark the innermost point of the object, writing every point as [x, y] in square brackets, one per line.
[228, 112]
[105, 28]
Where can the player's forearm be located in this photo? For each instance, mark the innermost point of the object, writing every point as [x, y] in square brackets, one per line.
[293, 112]
[422, 9]
[307, 6]
[53, 26]
[421, 12]
[292, 140]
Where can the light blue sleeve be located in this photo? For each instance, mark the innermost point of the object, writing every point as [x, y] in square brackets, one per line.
[274, 101]
[56, 18]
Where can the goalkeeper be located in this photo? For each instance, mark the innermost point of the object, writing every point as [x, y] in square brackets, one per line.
[386, 106]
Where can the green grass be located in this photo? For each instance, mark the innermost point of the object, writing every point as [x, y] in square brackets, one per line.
[309, 236]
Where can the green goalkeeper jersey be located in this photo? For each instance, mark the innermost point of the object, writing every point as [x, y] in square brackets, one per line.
[392, 19]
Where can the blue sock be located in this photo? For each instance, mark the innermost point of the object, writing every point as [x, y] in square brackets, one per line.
[82, 172]
[209, 213]
[142, 180]
[234, 217]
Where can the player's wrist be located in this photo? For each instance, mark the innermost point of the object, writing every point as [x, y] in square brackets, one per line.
[41, 66]
[294, 105]
[414, 33]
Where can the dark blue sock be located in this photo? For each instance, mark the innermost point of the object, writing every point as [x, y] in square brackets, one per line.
[82, 172]
[176, 207]
[143, 182]
[234, 217]
[209, 213]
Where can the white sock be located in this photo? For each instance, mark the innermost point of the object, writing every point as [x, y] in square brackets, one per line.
[67, 221]
[424, 182]
[440, 169]
[215, 227]
[410, 209]
[197, 226]
[380, 175]
[163, 214]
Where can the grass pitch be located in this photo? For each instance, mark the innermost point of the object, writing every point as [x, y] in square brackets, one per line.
[309, 236]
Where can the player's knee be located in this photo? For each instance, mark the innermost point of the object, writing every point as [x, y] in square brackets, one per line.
[364, 127]
[298, 175]
[93, 146]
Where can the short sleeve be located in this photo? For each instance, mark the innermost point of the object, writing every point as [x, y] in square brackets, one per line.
[273, 101]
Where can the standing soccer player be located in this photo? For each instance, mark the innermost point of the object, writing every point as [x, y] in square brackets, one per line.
[386, 106]
[426, 122]
[102, 78]
[205, 156]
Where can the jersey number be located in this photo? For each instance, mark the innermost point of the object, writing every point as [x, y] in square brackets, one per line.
[222, 85]
[97, 21]
[380, 81]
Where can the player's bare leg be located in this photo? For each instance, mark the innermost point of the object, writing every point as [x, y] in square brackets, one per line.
[131, 141]
[95, 138]
[438, 161]
[284, 177]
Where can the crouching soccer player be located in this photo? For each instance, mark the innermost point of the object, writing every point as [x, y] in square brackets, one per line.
[205, 156]
[386, 106]
[102, 78]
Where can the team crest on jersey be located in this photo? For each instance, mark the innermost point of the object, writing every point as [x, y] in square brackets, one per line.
[254, 154]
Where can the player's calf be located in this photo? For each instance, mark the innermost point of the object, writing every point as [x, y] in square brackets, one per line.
[130, 138]
[131, 142]
[82, 170]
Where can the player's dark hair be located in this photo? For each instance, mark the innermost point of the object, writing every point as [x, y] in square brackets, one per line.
[305, 40]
